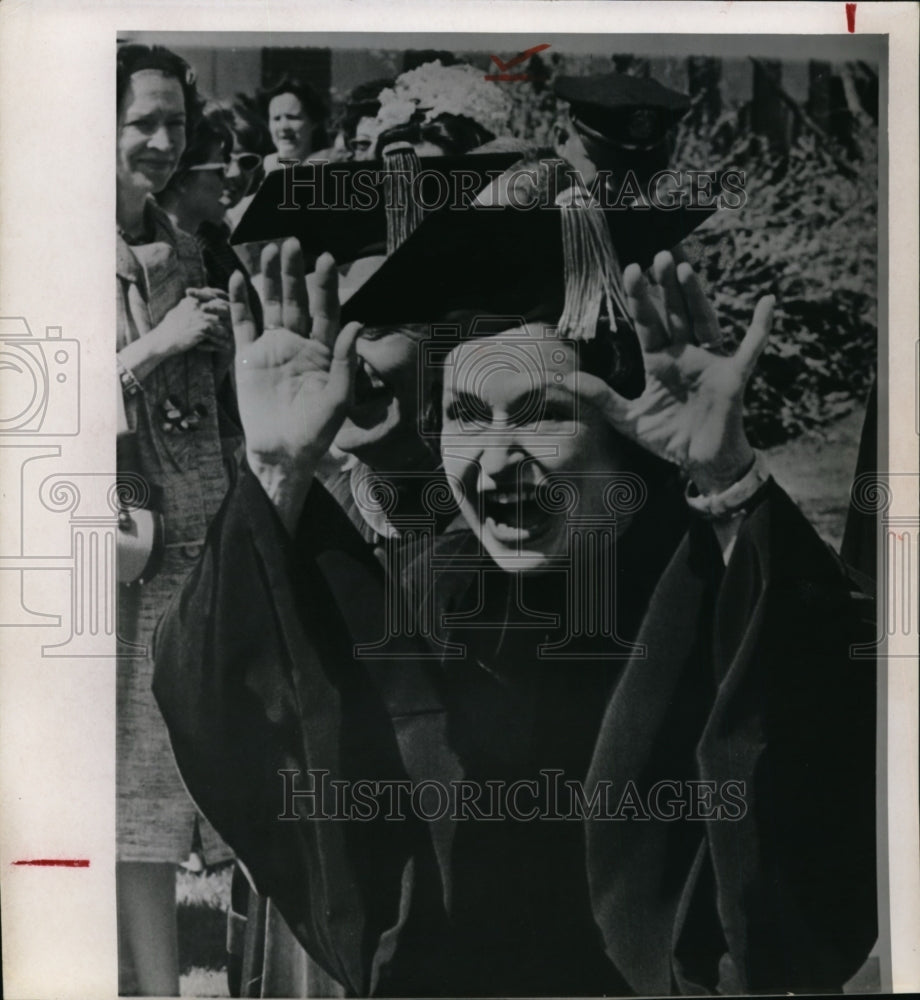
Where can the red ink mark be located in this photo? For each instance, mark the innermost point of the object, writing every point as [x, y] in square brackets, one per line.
[521, 57]
[56, 862]
[851, 17]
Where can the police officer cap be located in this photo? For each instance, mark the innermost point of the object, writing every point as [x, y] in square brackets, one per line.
[626, 110]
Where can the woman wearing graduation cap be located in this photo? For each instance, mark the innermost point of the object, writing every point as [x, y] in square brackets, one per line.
[728, 662]
[377, 446]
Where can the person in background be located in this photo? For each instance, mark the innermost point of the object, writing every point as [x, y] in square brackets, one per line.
[198, 193]
[244, 173]
[205, 186]
[251, 143]
[439, 110]
[446, 135]
[174, 351]
[196, 199]
[618, 123]
[361, 107]
[296, 116]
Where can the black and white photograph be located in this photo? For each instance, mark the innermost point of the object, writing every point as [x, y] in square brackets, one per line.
[500, 567]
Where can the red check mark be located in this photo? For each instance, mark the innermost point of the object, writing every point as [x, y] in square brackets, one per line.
[519, 58]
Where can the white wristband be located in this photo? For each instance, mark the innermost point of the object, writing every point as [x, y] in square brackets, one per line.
[732, 502]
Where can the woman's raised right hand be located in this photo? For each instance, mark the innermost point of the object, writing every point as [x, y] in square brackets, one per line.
[293, 388]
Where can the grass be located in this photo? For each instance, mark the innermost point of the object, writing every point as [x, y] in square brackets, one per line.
[203, 983]
[203, 899]
[816, 470]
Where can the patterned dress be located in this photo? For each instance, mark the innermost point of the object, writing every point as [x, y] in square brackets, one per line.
[187, 473]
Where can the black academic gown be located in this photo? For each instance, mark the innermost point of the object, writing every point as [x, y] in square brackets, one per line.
[744, 676]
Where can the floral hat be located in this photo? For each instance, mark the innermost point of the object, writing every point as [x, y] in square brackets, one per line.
[437, 90]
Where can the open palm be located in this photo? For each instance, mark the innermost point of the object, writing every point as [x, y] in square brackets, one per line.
[691, 410]
[293, 389]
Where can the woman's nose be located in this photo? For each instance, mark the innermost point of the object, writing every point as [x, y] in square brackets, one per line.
[500, 452]
[161, 139]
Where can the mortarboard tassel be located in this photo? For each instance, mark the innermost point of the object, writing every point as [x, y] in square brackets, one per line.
[592, 272]
[404, 213]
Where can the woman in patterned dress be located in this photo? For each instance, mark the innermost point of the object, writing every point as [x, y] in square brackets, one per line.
[174, 350]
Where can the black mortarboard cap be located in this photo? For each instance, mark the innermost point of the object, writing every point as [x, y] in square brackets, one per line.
[353, 209]
[505, 262]
[502, 260]
[624, 109]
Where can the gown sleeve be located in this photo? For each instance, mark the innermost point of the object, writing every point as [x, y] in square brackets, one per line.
[255, 676]
[749, 704]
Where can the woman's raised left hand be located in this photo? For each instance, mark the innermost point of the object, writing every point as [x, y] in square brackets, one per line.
[691, 410]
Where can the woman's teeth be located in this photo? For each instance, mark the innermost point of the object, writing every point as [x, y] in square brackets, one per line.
[514, 515]
[511, 497]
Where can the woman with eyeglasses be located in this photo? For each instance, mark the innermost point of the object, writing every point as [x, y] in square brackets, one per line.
[198, 191]
[251, 143]
[203, 188]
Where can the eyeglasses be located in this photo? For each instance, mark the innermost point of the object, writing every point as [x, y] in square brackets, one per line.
[247, 162]
[217, 168]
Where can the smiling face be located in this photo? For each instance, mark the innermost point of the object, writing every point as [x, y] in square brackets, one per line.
[151, 132]
[381, 428]
[513, 438]
[290, 126]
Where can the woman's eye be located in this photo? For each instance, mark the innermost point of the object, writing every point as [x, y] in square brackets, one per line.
[537, 415]
[466, 411]
[554, 412]
[152, 124]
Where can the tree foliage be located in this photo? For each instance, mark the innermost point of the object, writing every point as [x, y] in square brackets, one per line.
[807, 233]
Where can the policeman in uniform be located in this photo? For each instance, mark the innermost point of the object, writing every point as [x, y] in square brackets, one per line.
[619, 123]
